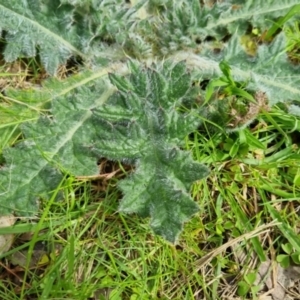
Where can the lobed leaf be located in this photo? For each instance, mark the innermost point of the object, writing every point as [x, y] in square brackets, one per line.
[57, 30]
[47, 25]
[187, 24]
[140, 123]
[269, 71]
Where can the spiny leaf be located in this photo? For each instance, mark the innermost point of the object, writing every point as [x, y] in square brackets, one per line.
[141, 124]
[269, 71]
[103, 31]
[261, 14]
[34, 166]
[30, 24]
[183, 24]
[61, 29]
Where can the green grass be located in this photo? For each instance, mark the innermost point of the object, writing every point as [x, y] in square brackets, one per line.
[91, 250]
[82, 248]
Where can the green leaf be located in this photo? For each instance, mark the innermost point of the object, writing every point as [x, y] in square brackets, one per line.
[226, 70]
[252, 141]
[243, 288]
[296, 180]
[30, 24]
[183, 23]
[240, 92]
[270, 72]
[296, 258]
[234, 148]
[284, 260]
[94, 121]
[261, 12]
[287, 248]
[250, 278]
[61, 29]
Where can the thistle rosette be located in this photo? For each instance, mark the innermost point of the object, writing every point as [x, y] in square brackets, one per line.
[140, 120]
